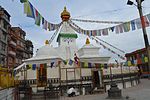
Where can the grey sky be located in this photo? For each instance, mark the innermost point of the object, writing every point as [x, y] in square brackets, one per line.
[104, 10]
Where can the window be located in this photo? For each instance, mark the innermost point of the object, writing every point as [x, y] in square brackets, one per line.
[3, 47]
[5, 25]
[4, 36]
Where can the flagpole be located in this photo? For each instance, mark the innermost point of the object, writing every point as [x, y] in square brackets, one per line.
[139, 7]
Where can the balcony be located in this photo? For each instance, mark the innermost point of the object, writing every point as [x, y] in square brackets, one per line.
[13, 43]
[20, 48]
[12, 53]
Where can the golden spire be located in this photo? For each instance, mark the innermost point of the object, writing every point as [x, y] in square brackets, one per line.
[46, 42]
[65, 15]
[87, 41]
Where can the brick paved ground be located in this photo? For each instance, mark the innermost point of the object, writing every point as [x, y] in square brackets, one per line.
[140, 92]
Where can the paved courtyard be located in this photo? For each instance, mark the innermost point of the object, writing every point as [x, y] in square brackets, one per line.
[140, 92]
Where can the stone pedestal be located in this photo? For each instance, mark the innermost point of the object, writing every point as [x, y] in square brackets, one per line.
[114, 92]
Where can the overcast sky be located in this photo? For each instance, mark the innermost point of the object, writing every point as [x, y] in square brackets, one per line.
[103, 10]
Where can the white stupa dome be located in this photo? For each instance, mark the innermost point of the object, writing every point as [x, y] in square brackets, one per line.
[47, 50]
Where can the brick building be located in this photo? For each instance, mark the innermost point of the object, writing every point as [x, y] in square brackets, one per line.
[139, 57]
[13, 46]
[19, 48]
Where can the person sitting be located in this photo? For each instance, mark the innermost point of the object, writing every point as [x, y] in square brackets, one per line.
[71, 92]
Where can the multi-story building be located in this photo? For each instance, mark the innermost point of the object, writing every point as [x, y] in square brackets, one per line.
[18, 47]
[28, 49]
[20, 44]
[12, 44]
[4, 26]
[139, 58]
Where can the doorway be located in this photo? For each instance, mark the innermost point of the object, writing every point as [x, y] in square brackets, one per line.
[41, 76]
[96, 80]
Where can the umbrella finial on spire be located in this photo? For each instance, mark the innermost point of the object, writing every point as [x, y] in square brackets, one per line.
[65, 15]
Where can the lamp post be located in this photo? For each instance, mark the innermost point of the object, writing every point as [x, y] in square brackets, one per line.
[139, 7]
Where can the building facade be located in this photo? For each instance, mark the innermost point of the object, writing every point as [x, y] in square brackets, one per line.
[4, 26]
[18, 47]
[13, 46]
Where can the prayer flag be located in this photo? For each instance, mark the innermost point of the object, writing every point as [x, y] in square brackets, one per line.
[112, 29]
[43, 20]
[45, 65]
[105, 31]
[146, 59]
[26, 7]
[38, 18]
[70, 62]
[129, 63]
[76, 59]
[65, 62]
[85, 64]
[138, 23]
[133, 25]
[145, 22]
[33, 66]
[52, 64]
[126, 27]
[117, 29]
[89, 65]
[30, 10]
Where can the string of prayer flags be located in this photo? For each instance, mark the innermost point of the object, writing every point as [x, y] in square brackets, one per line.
[123, 58]
[122, 27]
[31, 12]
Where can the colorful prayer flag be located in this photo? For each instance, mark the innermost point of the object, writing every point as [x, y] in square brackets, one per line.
[105, 32]
[33, 66]
[126, 27]
[145, 22]
[146, 59]
[129, 63]
[52, 64]
[89, 65]
[133, 25]
[37, 18]
[85, 64]
[30, 10]
[70, 62]
[138, 23]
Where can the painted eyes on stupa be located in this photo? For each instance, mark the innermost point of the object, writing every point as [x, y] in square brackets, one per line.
[67, 40]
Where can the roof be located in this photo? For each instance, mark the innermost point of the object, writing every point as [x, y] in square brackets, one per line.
[136, 52]
[45, 52]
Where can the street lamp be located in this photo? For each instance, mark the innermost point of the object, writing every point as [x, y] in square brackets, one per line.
[139, 7]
